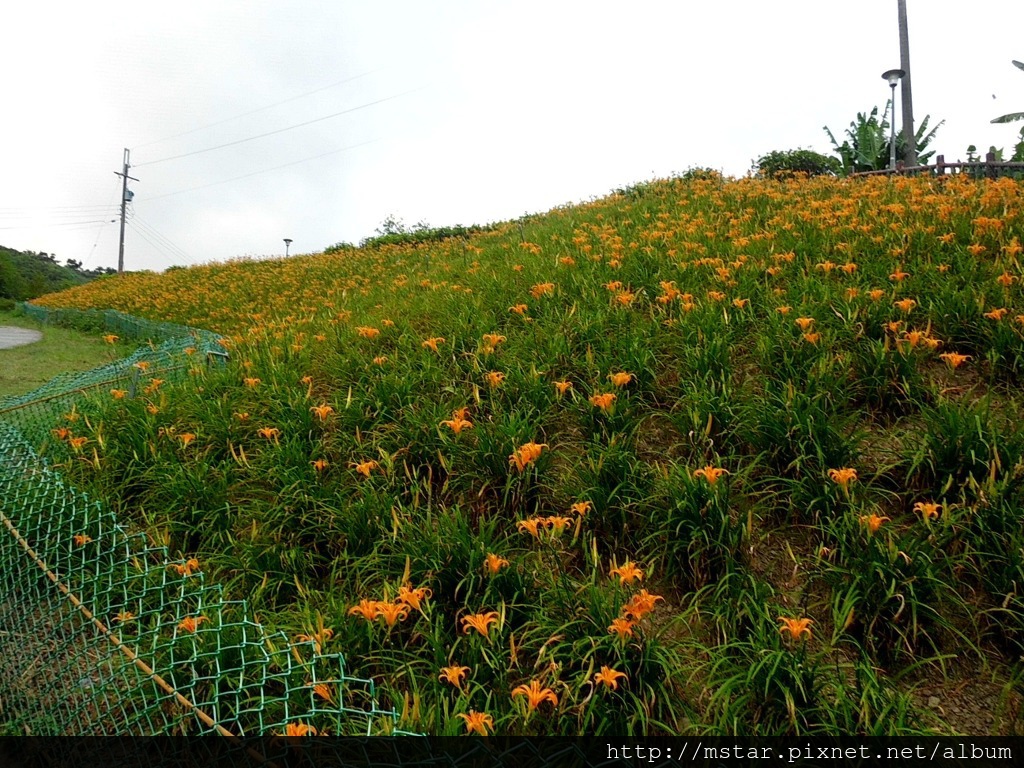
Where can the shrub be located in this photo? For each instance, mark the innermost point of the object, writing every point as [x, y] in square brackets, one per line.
[782, 163]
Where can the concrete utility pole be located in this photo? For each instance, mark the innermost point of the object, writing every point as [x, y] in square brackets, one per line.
[125, 197]
[909, 142]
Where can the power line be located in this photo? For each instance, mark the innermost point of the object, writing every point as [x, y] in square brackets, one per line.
[65, 224]
[153, 242]
[163, 243]
[282, 130]
[260, 109]
[265, 170]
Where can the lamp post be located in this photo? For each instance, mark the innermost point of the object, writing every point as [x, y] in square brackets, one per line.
[287, 243]
[892, 76]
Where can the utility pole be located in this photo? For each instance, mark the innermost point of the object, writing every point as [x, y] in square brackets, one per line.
[125, 197]
[909, 141]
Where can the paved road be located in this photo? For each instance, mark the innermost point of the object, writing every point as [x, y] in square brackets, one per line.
[16, 337]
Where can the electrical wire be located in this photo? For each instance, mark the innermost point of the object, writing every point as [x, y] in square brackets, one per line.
[281, 130]
[259, 109]
[265, 170]
[155, 238]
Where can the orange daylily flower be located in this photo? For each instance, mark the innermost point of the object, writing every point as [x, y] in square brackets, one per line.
[457, 424]
[414, 597]
[872, 522]
[1006, 279]
[954, 359]
[322, 411]
[620, 379]
[118, 394]
[876, 294]
[535, 694]
[368, 609]
[433, 342]
[324, 691]
[625, 298]
[541, 288]
[804, 322]
[299, 729]
[494, 563]
[929, 511]
[796, 627]
[186, 438]
[191, 623]
[563, 386]
[392, 612]
[319, 464]
[640, 605]
[711, 473]
[453, 675]
[519, 309]
[899, 275]
[581, 508]
[557, 523]
[784, 310]
[495, 378]
[110, 338]
[477, 722]
[621, 627]
[813, 338]
[905, 305]
[268, 432]
[603, 401]
[493, 339]
[609, 677]
[627, 572]
[526, 455]
[77, 442]
[367, 332]
[531, 526]
[251, 382]
[996, 314]
[481, 622]
[843, 476]
[81, 539]
[187, 568]
[364, 468]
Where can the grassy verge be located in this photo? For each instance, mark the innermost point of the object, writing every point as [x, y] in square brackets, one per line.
[22, 369]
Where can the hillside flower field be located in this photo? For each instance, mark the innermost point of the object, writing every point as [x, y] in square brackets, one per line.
[705, 456]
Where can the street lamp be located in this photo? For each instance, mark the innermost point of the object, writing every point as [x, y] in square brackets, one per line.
[287, 243]
[892, 76]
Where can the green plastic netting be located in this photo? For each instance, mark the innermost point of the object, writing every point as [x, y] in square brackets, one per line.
[100, 631]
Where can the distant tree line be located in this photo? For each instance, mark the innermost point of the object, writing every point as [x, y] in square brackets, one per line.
[24, 275]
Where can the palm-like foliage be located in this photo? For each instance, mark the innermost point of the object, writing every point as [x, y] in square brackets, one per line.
[866, 147]
[1013, 115]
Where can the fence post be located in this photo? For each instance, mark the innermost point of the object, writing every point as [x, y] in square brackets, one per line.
[990, 164]
[940, 163]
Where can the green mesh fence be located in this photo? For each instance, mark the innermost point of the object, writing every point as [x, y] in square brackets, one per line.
[102, 633]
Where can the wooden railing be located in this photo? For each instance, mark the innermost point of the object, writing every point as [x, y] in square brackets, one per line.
[989, 168]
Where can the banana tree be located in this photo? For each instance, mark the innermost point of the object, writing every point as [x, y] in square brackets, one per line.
[1013, 115]
[866, 147]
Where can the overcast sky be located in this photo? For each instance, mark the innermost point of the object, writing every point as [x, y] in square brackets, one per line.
[249, 122]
